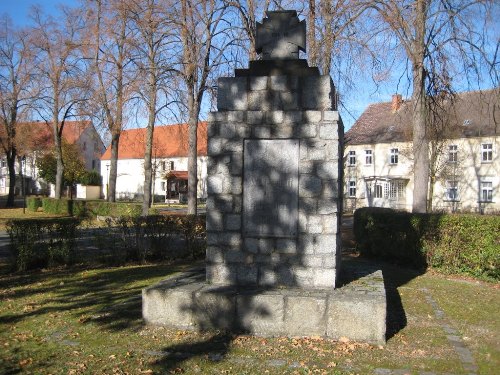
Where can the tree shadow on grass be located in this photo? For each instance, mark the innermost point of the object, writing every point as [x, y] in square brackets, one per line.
[109, 297]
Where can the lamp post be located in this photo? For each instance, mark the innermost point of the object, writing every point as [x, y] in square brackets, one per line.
[107, 181]
[23, 173]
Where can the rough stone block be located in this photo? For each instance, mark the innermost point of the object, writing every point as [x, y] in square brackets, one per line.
[259, 245]
[214, 255]
[214, 220]
[286, 246]
[279, 83]
[232, 94]
[233, 222]
[247, 274]
[274, 117]
[220, 274]
[306, 244]
[324, 278]
[314, 224]
[307, 130]
[317, 92]
[283, 131]
[236, 168]
[214, 185]
[236, 116]
[260, 100]
[312, 116]
[262, 131]
[331, 116]
[213, 129]
[317, 150]
[328, 170]
[325, 244]
[219, 116]
[236, 186]
[330, 224]
[227, 130]
[309, 186]
[305, 314]
[288, 100]
[330, 189]
[214, 146]
[360, 318]
[258, 83]
[255, 117]
[267, 275]
[242, 131]
[328, 131]
[293, 117]
[214, 308]
[261, 314]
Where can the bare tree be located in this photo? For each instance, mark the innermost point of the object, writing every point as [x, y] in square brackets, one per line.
[14, 93]
[109, 45]
[153, 60]
[431, 32]
[200, 31]
[60, 72]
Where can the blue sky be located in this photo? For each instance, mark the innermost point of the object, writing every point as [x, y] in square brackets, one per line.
[18, 10]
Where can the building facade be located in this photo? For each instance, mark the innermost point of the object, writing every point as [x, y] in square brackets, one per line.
[169, 159]
[464, 156]
[35, 139]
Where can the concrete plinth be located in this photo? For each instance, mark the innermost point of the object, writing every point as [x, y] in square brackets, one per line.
[356, 310]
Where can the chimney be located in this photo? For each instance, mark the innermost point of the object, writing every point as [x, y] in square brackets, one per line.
[397, 100]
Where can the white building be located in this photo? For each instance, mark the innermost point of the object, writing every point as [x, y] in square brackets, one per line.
[464, 153]
[36, 139]
[170, 163]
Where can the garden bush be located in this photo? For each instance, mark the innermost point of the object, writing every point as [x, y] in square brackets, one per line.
[458, 243]
[33, 203]
[40, 243]
[156, 237]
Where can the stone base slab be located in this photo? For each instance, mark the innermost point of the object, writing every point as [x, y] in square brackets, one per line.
[356, 310]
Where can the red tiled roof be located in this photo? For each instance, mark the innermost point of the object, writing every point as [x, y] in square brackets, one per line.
[180, 175]
[41, 136]
[168, 141]
[472, 114]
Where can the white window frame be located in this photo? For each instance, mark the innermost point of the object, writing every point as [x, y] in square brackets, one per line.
[452, 153]
[394, 156]
[351, 188]
[486, 152]
[451, 192]
[378, 190]
[486, 190]
[368, 157]
[351, 159]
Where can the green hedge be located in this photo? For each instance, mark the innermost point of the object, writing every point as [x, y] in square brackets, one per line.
[81, 208]
[33, 203]
[455, 243]
[39, 243]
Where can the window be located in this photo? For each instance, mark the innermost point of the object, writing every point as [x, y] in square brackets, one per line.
[163, 186]
[486, 191]
[378, 191]
[352, 158]
[368, 157]
[163, 165]
[394, 155]
[486, 152]
[172, 166]
[452, 154]
[352, 188]
[452, 190]
[93, 164]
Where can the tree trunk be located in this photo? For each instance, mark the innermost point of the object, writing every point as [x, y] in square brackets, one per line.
[193, 157]
[420, 143]
[59, 159]
[311, 34]
[148, 176]
[11, 165]
[115, 140]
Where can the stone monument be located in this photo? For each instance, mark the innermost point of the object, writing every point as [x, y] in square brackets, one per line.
[273, 208]
[275, 168]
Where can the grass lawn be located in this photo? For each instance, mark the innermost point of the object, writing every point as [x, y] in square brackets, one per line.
[76, 321]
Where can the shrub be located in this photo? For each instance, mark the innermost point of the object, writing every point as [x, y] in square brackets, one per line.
[455, 243]
[42, 242]
[56, 206]
[33, 203]
[92, 178]
[113, 209]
